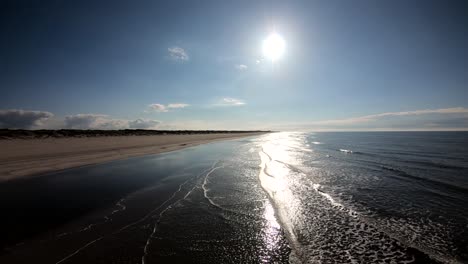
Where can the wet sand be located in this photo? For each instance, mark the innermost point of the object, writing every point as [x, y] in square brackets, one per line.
[25, 157]
[151, 209]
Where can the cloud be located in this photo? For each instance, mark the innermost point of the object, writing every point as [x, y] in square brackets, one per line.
[94, 121]
[178, 105]
[23, 118]
[453, 110]
[143, 123]
[375, 117]
[241, 67]
[210, 124]
[452, 122]
[178, 54]
[165, 108]
[158, 107]
[228, 101]
[455, 118]
[104, 122]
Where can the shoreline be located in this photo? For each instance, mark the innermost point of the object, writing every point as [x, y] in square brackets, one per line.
[22, 158]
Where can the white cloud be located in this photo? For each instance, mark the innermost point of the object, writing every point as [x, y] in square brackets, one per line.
[455, 118]
[165, 108]
[177, 105]
[209, 124]
[241, 67]
[369, 118]
[143, 123]
[158, 107]
[104, 122]
[14, 118]
[178, 54]
[228, 101]
[94, 121]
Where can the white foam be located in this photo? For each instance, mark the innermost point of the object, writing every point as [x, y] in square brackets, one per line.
[78, 250]
[107, 218]
[148, 240]
[317, 186]
[205, 188]
[125, 227]
[155, 227]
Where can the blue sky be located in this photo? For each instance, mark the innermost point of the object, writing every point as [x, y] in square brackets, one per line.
[199, 65]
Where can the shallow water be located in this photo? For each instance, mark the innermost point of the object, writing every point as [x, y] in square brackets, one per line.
[371, 197]
[280, 197]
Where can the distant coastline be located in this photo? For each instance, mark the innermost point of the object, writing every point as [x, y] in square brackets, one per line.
[62, 133]
[33, 152]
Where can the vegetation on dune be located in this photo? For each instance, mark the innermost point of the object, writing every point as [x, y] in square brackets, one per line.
[61, 133]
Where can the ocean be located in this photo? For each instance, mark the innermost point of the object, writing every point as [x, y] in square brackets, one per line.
[286, 197]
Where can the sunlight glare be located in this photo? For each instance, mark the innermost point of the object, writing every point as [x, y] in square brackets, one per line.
[273, 47]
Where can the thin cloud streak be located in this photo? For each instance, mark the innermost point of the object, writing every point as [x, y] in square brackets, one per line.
[165, 108]
[369, 118]
[443, 119]
[229, 101]
[178, 105]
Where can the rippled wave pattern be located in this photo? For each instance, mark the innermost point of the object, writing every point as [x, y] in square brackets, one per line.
[277, 198]
[369, 197]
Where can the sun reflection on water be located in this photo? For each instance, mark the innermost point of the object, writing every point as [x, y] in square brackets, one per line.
[277, 152]
[271, 234]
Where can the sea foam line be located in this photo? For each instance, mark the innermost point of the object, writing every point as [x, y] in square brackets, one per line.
[107, 218]
[123, 228]
[152, 211]
[148, 240]
[123, 207]
[205, 190]
[155, 227]
[267, 182]
[161, 205]
[205, 171]
[78, 250]
[317, 186]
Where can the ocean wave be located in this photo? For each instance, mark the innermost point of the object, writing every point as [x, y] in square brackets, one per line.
[361, 153]
[435, 164]
[321, 194]
[397, 156]
[333, 220]
[436, 184]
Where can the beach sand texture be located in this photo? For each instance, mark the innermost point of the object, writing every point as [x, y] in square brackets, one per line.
[26, 157]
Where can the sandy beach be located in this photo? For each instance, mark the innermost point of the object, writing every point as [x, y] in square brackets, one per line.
[26, 157]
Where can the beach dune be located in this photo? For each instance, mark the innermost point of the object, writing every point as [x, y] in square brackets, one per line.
[26, 157]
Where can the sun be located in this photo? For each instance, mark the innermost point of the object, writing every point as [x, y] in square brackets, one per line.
[273, 47]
